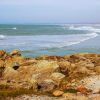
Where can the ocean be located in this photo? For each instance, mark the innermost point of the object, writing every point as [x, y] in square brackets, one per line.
[63, 39]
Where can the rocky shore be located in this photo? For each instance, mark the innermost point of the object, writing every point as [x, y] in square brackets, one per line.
[69, 77]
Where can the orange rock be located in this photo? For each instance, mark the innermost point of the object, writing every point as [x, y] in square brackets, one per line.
[8, 62]
[82, 89]
[2, 53]
[28, 62]
[19, 59]
[2, 63]
[2, 67]
[90, 55]
[97, 69]
[65, 67]
[10, 73]
[46, 57]
[15, 52]
[58, 93]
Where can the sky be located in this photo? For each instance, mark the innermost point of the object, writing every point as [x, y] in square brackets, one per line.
[49, 11]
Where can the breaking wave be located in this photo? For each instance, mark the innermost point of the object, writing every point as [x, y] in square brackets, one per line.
[44, 41]
[13, 28]
[85, 28]
[2, 37]
[25, 42]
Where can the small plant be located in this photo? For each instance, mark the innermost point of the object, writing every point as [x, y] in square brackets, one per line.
[71, 91]
[4, 92]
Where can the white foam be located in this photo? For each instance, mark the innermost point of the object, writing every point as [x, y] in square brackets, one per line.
[2, 37]
[14, 28]
[85, 28]
[45, 41]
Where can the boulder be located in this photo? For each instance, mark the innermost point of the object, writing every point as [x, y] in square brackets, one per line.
[65, 67]
[82, 89]
[34, 83]
[73, 66]
[2, 67]
[47, 66]
[11, 61]
[28, 62]
[88, 64]
[2, 53]
[42, 57]
[96, 91]
[1, 71]
[97, 69]
[27, 85]
[50, 58]
[96, 61]
[26, 72]
[2, 63]
[15, 65]
[19, 59]
[57, 77]
[46, 63]
[83, 54]
[66, 57]
[76, 58]
[83, 70]
[47, 85]
[42, 70]
[10, 73]
[15, 53]
[90, 55]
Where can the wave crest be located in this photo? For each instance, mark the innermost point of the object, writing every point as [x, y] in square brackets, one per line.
[84, 28]
[2, 37]
[13, 28]
[45, 41]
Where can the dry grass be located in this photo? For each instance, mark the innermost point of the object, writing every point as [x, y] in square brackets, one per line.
[5, 91]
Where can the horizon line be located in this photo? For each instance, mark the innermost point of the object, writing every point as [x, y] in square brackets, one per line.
[45, 23]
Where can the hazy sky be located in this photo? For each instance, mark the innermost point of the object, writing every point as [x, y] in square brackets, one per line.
[49, 11]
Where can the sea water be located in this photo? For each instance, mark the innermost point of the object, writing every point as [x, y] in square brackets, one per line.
[63, 39]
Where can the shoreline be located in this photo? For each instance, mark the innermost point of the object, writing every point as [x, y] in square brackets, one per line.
[88, 43]
[49, 77]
